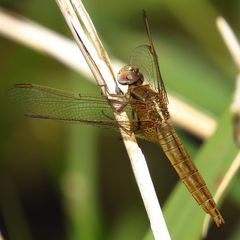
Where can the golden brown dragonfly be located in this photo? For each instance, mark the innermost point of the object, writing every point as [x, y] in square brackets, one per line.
[146, 104]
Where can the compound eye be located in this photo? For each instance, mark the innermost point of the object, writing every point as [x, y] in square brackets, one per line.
[129, 75]
[130, 68]
[136, 70]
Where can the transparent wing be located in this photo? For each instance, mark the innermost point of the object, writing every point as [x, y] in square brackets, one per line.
[146, 60]
[49, 103]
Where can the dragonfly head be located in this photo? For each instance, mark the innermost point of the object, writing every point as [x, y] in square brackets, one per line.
[130, 75]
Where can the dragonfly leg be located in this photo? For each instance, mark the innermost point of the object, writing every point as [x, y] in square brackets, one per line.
[103, 86]
[117, 104]
[117, 90]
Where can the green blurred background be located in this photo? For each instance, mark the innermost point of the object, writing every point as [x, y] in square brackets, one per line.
[63, 181]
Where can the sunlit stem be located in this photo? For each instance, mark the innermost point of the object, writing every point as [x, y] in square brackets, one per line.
[229, 39]
[92, 49]
[234, 48]
[222, 188]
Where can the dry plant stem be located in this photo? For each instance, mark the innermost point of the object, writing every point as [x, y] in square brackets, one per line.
[234, 48]
[64, 50]
[100, 65]
[222, 188]
[83, 14]
[43, 40]
[198, 123]
[229, 39]
[235, 108]
[1, 237]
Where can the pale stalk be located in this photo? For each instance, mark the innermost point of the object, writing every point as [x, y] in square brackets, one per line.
[1, 237]
[222, 188]
[98, 61]
[234, 49]
[64, 50]
[229, 39]
[196, 122]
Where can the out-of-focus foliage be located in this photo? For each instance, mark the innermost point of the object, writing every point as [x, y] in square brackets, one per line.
[61, 181]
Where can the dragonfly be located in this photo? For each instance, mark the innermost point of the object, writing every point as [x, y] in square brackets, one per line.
[146, 104]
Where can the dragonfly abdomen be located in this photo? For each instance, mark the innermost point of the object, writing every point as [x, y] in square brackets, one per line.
[186, 170]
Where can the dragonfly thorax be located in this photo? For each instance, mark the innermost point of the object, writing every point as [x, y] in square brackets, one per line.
[129, 75]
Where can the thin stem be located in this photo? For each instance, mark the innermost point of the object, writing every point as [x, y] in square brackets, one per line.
[222, 188]
[229, 39]
[100, 66]
[234, 48]
[196, 122]
[1, 237]
[41, 39]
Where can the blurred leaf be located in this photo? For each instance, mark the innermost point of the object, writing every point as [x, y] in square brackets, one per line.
[198, 18]
[81, 174]
[236, 233]
[80, 183]
[234, 192]
[188, 74]
[125, 227]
